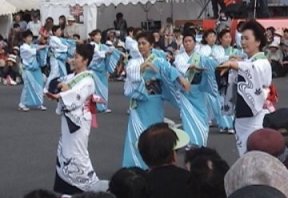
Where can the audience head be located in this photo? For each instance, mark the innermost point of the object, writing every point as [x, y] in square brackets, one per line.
[119, 16]
[71, 20]
[257, 191]
[209, 37]
[94, 195]
[49, 22]
[16, 27]
[130, 31]
[253, 37]
[285, 35]
[156, 145]
[257, 168]
[129, 183]
[62, 21]
[207, 171]
[40, 194]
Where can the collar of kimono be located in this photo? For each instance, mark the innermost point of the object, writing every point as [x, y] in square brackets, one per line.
[78, 78]
[258, 56]
[194, 59]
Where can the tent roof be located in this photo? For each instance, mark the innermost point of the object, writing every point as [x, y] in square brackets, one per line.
[97, 2]
[26, 4]
[6, 8]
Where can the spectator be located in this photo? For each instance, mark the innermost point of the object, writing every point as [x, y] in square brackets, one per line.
[22, 23]
[120, 24]
[207, 171]
[270, 33]
[40, 194]
[178, 38]
[15, 36]
[46, 30]
[238, 34]
[255, 191]
[3, 58]
[269, 141]
[11, 71]
[62, 23]
[285, 35]
[275, 56]
[156, 146]
[159, 42]
[167, 32]
[34, 26]
[129, 183]
[257, 168]
[284, 47]
[215, 4]
[72, 27]
[94, 195]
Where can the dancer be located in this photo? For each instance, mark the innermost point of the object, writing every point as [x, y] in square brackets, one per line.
[193, 104]
[32, 93]
[76, 104]
[58, 56]
[148, 79]
[104, 61]
[253, 78]
[210, 49]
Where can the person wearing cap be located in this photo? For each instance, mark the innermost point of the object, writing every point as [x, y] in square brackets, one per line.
[269, 141]
[157, 146]
[71, 28]
[100, 67]
[34, 26]
[251, 79]
[275, 56]
[9, 71]
[58, 58]
[32, 92]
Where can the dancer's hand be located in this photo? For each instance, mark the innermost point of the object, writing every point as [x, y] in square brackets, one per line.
[52, 96]
[63, 87]
[185, 83]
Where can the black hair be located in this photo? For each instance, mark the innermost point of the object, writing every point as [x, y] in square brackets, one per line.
[169, 20]
[86, 51]
[147, 35]
[40, 194]
[1, 37]
[272, 29]
[223, 32]
[55, 28]
[156, 145]
[50, 18]
[130, 29]
[26, 34]
[189, 34]
[206, 34]
[119, 15]
[64, 24]
[16, 25]
[77, 36]
[258, 31]
[207, 172]
[285, 30]
[94, 195]
[94, 32]
[129, 183]
[239, 26]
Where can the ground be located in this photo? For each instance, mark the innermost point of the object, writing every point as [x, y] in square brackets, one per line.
[28, 141]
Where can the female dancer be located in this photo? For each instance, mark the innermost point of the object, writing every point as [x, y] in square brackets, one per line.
[253, 78]
[148, 79]
[32, 93]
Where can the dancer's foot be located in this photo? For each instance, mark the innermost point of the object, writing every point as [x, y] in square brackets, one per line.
[43, 108]
[108, 111]
[23, 108]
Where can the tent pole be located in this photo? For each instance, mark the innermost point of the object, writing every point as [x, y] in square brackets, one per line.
[203, 9]
[255, 9]
[172, 9]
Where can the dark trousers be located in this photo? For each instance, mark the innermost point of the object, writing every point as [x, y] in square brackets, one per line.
[262, 8]
[62, 187]
[215, 7]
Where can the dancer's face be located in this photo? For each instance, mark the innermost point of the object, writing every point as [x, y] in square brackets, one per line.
[249, 43]
[80, 63]
[144, 46]
[226, 40]
[189, 44]
[97, 38]
[211, 39]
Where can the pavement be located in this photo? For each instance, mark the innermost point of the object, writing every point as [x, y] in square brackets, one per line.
[28, 140]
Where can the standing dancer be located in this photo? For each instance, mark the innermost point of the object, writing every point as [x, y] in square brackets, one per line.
[76, 104]
[32, 93]
[101, 66]
[251, 80]
[58, 56]
[193, 104]
[147, 79]
[211, 50]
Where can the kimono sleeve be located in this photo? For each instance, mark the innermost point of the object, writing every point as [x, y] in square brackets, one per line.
[218, 53]
[57, 45]
[28, 55]
[167, 70]
[76, 97]
[181, 64]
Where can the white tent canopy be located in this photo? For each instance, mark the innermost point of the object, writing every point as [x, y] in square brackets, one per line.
[96, 2]
[6, 8]
[26, 4]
